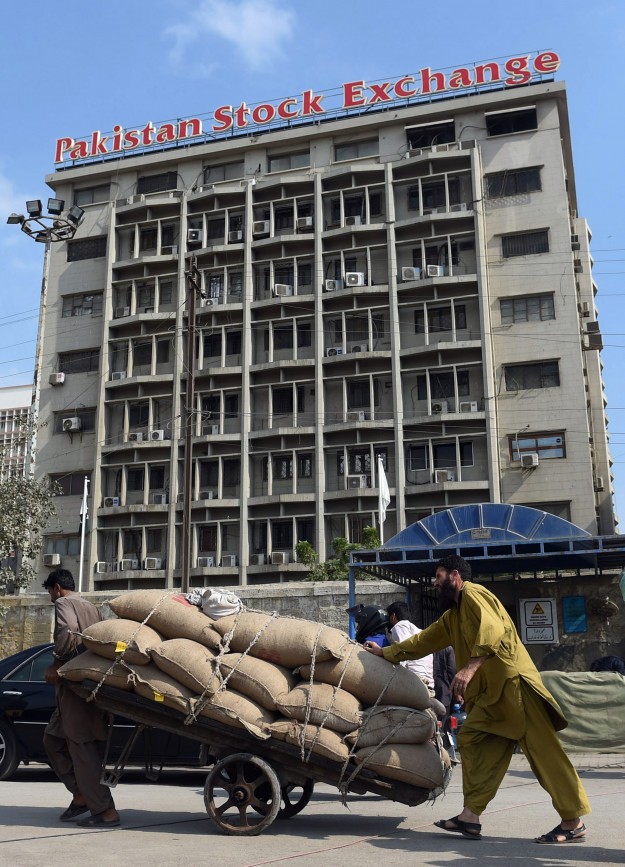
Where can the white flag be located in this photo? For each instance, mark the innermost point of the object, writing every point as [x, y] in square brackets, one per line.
[384, 497]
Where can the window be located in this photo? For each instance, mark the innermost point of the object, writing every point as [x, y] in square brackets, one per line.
[132, 543]
[233, 343]
[358, 394]
[135, 479]
[304, 466]
[442, 384]
[355, 206]
[375, 204]
[282, 467]
[282, 534]
[154, 540]
[68, 546]
[355, 150]
[34, 670]
[522, 377]
[85, 416]
[235, 283]
[283, 218]
[165, 291]
[148, 238]
[157, 478]
[142, 354]
[531, 308]
[545, 445]
[304, 334]
[284, 162]
[304, 274]
[525, 244]
[283, 337]
[359, 461]
[441, 319]
[82, 305]
[231, 405]
[282, 400]
[162, 351]
[413, 199]
[69, 484]
[232, 471]
[138, 414]
[512, 183]
[505, 122]
[207, 538]
[443, 455]
[216, 229]
[88, 248]
[431, 134]
[79, 362]
[212, 345]
[92, 195]
[306, 530]
[157, 183]
[223, 172]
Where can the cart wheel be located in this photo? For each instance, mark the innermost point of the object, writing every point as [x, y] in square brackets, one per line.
[295, 797]
[242, 794]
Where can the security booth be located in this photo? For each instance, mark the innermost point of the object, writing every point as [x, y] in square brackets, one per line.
[557, 581]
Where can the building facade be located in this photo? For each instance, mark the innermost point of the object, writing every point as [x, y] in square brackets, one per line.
[413, 283]
[15, 403]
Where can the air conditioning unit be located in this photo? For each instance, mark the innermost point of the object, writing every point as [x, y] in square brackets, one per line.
[194, 236]
[158, 499]
[469, 406]
[439, 148]
[208, 495]
[56, 378]
[279, 558]
[212, 430]
[353, 221]
[585, 308]
[257, 559]
[435, 270]
[135, 436]
[153, 563]
[575, 245]
[229, 560]
[157, 435]
[127, 564]
[444, 476]
[359, 347]
[102, 567]
[357, 415]
[260, 227]
[235, 236]
[304, 223]
[578, 268]
[439, 406]
[51, 559]
[354, 278]
[110, 502]
[592, 328]
[71, 424]
[422, 477]
[598, 485]
[529, 460]
[334, 350]
[135, 200]
[118, 374]
[333, 285]
[120, 312]
[460, 206]
[169, 250]
[411, 273]
[359, 481]
[282, 289]
[205, 562]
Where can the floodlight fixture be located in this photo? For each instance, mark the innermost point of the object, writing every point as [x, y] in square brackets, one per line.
[15, 219]
[34, 208]
[75, 214]
[55, 207]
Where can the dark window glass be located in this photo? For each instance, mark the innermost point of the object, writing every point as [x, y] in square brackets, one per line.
[79, 362]
[233, 343]
[304, 466]
[157, 478]
[283, 218]
[545, 445]
[525, 244]
[69, 484]
[87, 248]
[355, 150]
[283, 337]
[138, 414]
[231, 405]
[85, 416]
[282, 534]
[282, 467]
[511, 121]
[157, 183]
[522, 377]
[82, 305]
[433, 134]
[304, 334]
[142, 354]
[212, 345]
[135, 479]
[513, 182]
[232, 471]
[282, 400]
[358, 394]
[532, 308]
[207, 539]
[91, 195]
[147, 239]
[216, 229]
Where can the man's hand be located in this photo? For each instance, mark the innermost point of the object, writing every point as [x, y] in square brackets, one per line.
[372, 647]
[463, 677]
[51, 674]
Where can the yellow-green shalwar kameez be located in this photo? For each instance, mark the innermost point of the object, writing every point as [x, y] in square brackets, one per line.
[506, 703]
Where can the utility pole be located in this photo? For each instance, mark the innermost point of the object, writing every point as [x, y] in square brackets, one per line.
[194, 283]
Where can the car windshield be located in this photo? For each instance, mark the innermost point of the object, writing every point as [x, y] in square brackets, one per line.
[34, 669]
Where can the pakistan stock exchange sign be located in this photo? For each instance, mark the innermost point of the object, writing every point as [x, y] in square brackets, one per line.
[539, 621]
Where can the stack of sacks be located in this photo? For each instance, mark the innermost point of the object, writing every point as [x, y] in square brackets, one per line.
[294, 680]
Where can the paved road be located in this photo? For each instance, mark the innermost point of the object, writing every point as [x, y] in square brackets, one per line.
[165, 824]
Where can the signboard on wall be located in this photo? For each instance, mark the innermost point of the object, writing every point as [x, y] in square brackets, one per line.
[539, 621]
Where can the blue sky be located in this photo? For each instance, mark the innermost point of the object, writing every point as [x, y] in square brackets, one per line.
[130, 61]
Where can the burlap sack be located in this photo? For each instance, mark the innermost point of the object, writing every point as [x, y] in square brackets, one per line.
[416, 764]
[366, 676]
[110, 638]
[325, 705]
[89, 666]
[261, 681]
[282, 640]
[233, 709]
[324, 742]
[395, 725]
[150, 682]
[174, 617]
[188, 662]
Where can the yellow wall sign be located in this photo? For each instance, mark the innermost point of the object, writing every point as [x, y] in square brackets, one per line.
[539, 621]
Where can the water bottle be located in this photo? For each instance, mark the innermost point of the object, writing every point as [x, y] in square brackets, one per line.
[456, 719]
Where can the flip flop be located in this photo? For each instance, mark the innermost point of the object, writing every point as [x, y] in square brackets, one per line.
[576, 835]
[470, 830]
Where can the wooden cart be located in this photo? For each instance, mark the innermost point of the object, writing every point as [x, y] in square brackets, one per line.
[251, 782]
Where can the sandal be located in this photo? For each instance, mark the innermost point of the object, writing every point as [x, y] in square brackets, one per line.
[561, 835]
[470, 830]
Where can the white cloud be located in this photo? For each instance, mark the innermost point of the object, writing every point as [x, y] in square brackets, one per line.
[256, 29]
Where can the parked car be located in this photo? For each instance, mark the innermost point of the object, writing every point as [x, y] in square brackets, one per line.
[26, 705]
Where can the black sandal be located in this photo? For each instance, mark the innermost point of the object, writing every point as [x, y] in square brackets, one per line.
[576, 835]
[470, 830]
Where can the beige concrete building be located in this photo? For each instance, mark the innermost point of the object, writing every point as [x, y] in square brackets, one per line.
[414, 283]
[15, 403]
